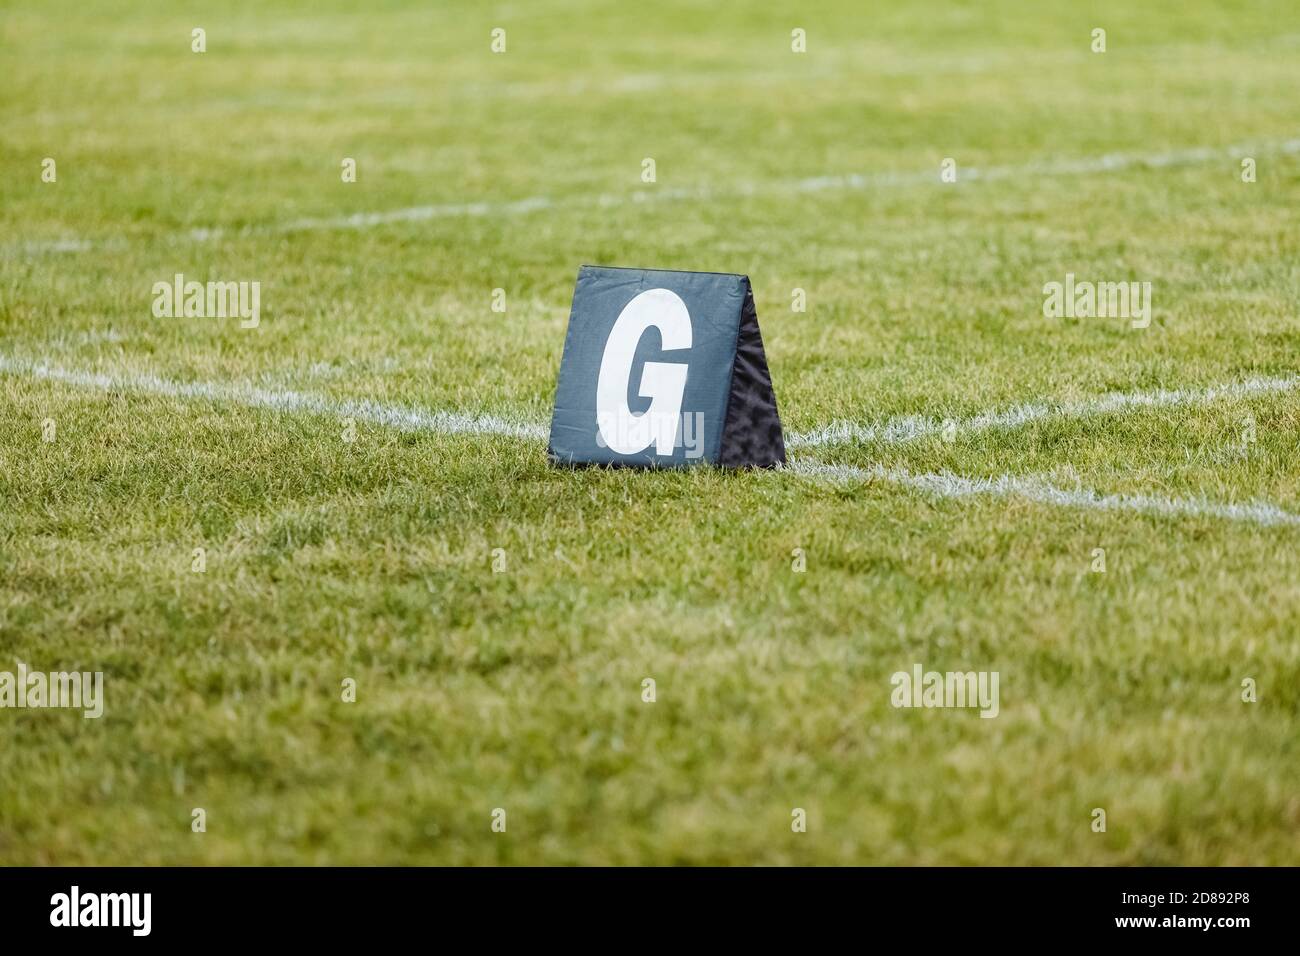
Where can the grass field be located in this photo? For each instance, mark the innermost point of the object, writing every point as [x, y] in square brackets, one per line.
[521, 689]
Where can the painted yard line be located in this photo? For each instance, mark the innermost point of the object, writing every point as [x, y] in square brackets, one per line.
[402, 417]
[1033, 488]
[897, 431]
[892, 431]
[406, 418]
[847, 182]
[848, 65]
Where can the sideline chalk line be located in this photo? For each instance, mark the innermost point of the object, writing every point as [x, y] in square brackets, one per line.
[1109, 162]
[938, 484]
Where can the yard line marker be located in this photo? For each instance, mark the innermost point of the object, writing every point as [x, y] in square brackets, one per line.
[401, 417]
[408, 418]
[907, 428]
[1034, 488]
[1110, 162]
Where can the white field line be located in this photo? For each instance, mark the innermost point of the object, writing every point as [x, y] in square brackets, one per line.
[855, 65]
[1111, 162]
[944, 484]
[406, 418]
[897, 431]
[401, 417]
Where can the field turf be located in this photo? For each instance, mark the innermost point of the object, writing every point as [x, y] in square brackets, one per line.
[514, 680]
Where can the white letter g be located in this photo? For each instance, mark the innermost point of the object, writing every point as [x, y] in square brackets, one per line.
[664, 383]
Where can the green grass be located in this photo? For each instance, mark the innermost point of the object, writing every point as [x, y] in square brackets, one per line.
[522, 690]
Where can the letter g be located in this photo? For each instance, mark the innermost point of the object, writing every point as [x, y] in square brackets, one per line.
[664, 383]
